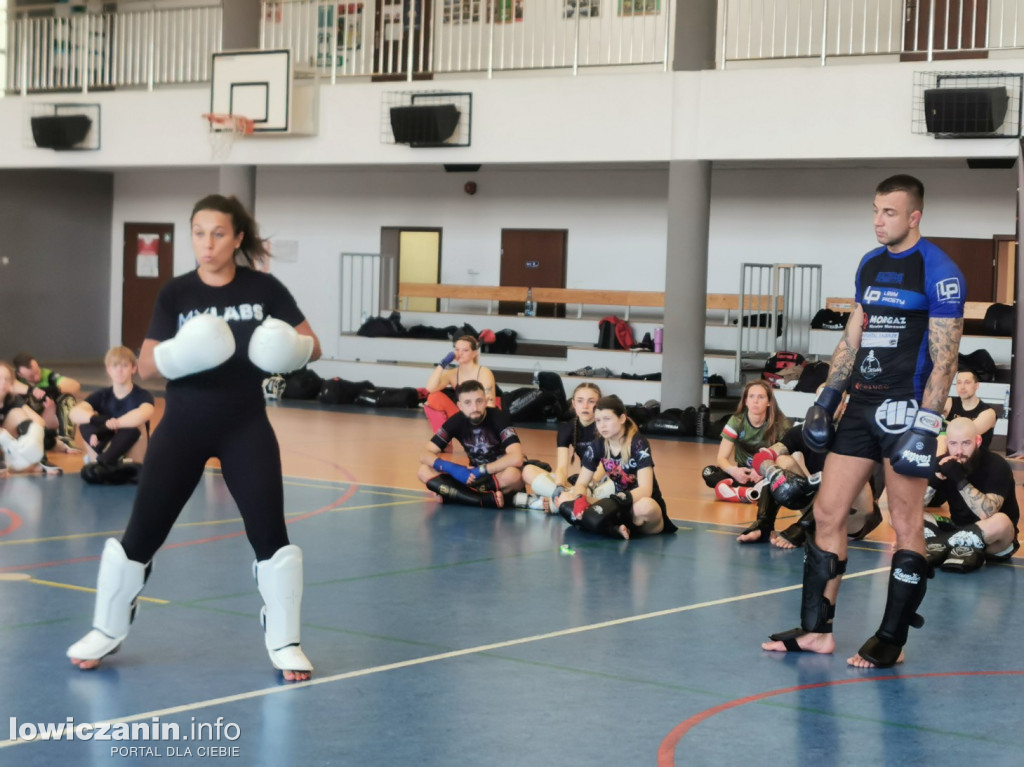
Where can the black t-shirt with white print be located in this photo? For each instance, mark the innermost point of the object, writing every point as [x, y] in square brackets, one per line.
[244, 303]
[484, 442]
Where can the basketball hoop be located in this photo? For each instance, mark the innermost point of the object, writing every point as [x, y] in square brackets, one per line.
[224, 129]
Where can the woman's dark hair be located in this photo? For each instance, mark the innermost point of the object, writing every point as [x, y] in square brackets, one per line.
[253, 248]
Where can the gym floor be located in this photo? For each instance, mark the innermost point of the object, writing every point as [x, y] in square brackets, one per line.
[448, 635]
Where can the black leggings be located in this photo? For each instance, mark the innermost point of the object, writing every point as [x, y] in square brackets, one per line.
[110, 445]
[177, 455]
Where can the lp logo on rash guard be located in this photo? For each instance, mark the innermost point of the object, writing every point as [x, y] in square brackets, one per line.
[948, 289]
[895, 416]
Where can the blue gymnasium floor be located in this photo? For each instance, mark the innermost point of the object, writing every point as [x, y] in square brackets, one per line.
[456, 636]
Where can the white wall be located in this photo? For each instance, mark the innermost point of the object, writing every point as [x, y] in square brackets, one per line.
[615, 219]
[857, 112]
[823, 216]
[153, 196]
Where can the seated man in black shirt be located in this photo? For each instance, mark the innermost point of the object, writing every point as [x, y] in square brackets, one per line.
[978, 487]
[490, 441]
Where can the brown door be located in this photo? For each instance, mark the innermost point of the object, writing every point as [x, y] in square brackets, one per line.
[977, 260]
[148, 264]
[403, 29]
[960, 27]
[533, 258]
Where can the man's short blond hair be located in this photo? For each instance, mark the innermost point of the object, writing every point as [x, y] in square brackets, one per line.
[121, 354]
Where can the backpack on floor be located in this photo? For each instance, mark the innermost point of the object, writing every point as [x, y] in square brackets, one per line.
[302, 384]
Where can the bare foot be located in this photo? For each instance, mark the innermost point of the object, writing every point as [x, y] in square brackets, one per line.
[859, 662]
[782, 543]
[753, 536]
[624, 532]
[499, 499]
[85, 665]
[824, 644]
[296, 676]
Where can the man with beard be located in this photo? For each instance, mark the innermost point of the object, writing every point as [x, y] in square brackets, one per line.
[978, 487]
[490, 442]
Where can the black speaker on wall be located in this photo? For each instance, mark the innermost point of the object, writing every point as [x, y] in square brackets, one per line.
[422, 126]
[965, 111]
[60, 131]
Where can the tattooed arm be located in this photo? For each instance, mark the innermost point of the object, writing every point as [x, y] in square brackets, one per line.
[984, 505]
[943, 344]
[846, 351]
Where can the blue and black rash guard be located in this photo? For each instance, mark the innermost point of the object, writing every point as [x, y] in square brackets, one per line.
[899, 293]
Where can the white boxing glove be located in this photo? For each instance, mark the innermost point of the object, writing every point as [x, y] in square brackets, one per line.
[202, 343]
[277, 347]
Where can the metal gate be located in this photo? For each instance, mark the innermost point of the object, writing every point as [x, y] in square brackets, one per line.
[777, 303]
[369, 286]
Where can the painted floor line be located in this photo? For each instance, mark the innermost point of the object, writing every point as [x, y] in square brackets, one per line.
[252, 694]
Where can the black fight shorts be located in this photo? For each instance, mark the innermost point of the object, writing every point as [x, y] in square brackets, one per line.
[871, 431]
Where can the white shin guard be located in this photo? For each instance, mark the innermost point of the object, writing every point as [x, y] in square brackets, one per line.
[25, 451]
[545, 486]
[604, 489]
[280, 583]
[118, 585]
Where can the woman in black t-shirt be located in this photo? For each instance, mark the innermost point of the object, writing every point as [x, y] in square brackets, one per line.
[215, 333]
[573, 438]
[625, 456]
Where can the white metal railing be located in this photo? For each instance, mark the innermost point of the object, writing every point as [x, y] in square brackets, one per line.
[468, 35]
[80, 51]
[753, 30]
[779, 301]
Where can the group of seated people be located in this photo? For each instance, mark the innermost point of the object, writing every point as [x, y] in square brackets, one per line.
[40, 411]
[615, 493]
[763, 460]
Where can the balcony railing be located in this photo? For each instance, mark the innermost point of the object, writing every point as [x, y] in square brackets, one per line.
[753, 30]
[440, 36]
[83, 51]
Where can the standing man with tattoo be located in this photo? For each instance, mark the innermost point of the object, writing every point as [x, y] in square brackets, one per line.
[897, 358]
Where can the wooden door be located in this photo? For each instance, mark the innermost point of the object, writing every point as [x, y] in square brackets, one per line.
[960, 27]
[977, 260]
[148, 264]
[533, 258]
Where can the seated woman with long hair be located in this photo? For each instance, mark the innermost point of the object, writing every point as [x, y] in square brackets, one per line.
[444, 380]
[757, 423]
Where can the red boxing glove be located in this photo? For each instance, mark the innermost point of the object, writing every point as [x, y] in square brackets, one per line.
[762, 455]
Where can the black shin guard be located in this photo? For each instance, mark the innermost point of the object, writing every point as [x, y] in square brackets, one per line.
[767, 511]
[712, 475]
[816, 612]
[820, 567]
[908, 581]
[453, 491]
[608, 515]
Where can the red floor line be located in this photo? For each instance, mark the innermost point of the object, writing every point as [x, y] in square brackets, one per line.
[14, 524]
[667, 749]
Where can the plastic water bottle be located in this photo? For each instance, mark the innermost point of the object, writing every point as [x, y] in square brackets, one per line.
[705, 371]
[536, 374]
[1006, 403]
[659, 334]
[530, 309]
